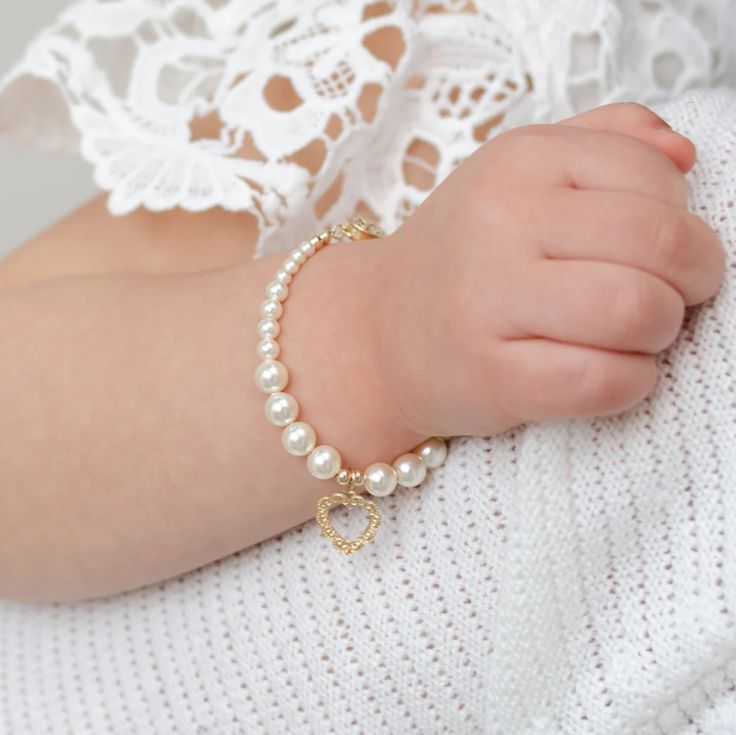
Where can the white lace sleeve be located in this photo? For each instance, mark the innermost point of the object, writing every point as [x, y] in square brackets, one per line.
[376, 101]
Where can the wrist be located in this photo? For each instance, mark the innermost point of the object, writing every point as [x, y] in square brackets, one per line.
[331, 339]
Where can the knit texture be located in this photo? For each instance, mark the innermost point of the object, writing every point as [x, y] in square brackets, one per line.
[569, 578]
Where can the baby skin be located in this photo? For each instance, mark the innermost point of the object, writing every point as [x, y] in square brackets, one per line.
[538, 281]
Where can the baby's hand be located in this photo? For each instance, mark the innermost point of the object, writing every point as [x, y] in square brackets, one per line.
[542, 277]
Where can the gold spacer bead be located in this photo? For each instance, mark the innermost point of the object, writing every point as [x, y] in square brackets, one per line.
[319, 241]
[343, 477]
[356, 477]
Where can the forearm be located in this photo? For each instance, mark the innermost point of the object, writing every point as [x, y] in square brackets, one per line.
[91, 241]
[134, 443]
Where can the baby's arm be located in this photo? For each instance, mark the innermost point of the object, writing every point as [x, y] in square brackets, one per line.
[134, 442]
[90, 241]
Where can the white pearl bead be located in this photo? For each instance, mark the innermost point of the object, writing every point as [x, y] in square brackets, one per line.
[410, 470]
[380, 479]
[290, 266]
[307, 248]
[283, 277]
[271, 376]
[297, 256]
[268, 349]
[276, 290]
[433, 451]
[324, 462]
[272, 308]
[268, 328]
[298, 438]
[281, 409]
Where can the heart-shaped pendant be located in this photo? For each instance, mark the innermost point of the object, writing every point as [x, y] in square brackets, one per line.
[348, 499]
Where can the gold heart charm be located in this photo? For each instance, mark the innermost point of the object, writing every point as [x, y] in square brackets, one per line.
[349, 499]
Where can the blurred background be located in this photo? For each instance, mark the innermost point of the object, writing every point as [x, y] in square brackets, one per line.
[35, 188]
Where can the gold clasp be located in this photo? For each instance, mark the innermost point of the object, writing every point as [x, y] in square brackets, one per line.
[359, 229]
[356, 228]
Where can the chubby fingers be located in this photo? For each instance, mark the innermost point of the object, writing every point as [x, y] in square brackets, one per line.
[642, 123]
[590, 159]
[603, 305]
[569, 380]
[661, 239]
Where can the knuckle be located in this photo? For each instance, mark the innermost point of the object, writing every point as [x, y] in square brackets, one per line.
[647, 313]
[606, 386]
[512, 151]
[671, 241]
[633, 303]
[524, 131]
[714, 263]
[531, 137]
[673, 318]
[636, 113]
[599, 387]
[517, 150]
[680, 189]
[690, 251]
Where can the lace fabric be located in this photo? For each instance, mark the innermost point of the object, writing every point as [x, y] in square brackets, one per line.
[302, 113]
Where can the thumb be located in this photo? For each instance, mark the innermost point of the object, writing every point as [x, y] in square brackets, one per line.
[639, 122]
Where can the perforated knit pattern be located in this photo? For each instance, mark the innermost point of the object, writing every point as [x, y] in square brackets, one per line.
[571, 578]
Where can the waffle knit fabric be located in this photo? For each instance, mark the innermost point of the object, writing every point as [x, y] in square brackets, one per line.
[572, 578]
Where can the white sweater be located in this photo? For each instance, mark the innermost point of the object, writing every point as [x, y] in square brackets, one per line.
[571, 578]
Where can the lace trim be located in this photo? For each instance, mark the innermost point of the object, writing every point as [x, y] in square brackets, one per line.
[305, 113]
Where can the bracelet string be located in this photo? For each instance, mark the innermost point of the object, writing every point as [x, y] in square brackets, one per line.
[300, 439]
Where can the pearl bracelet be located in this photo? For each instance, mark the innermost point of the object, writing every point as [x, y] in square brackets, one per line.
[299, 438]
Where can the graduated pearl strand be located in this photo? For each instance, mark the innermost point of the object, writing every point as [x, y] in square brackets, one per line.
[271, 376]
[324, 462]
[410, 469]
[282, 410]
[380, 479]
[268, 349]
[298, 438]
[433, 451]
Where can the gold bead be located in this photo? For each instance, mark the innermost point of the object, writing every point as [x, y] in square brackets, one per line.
[321, 240]
[357, 477]
[343, 477]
